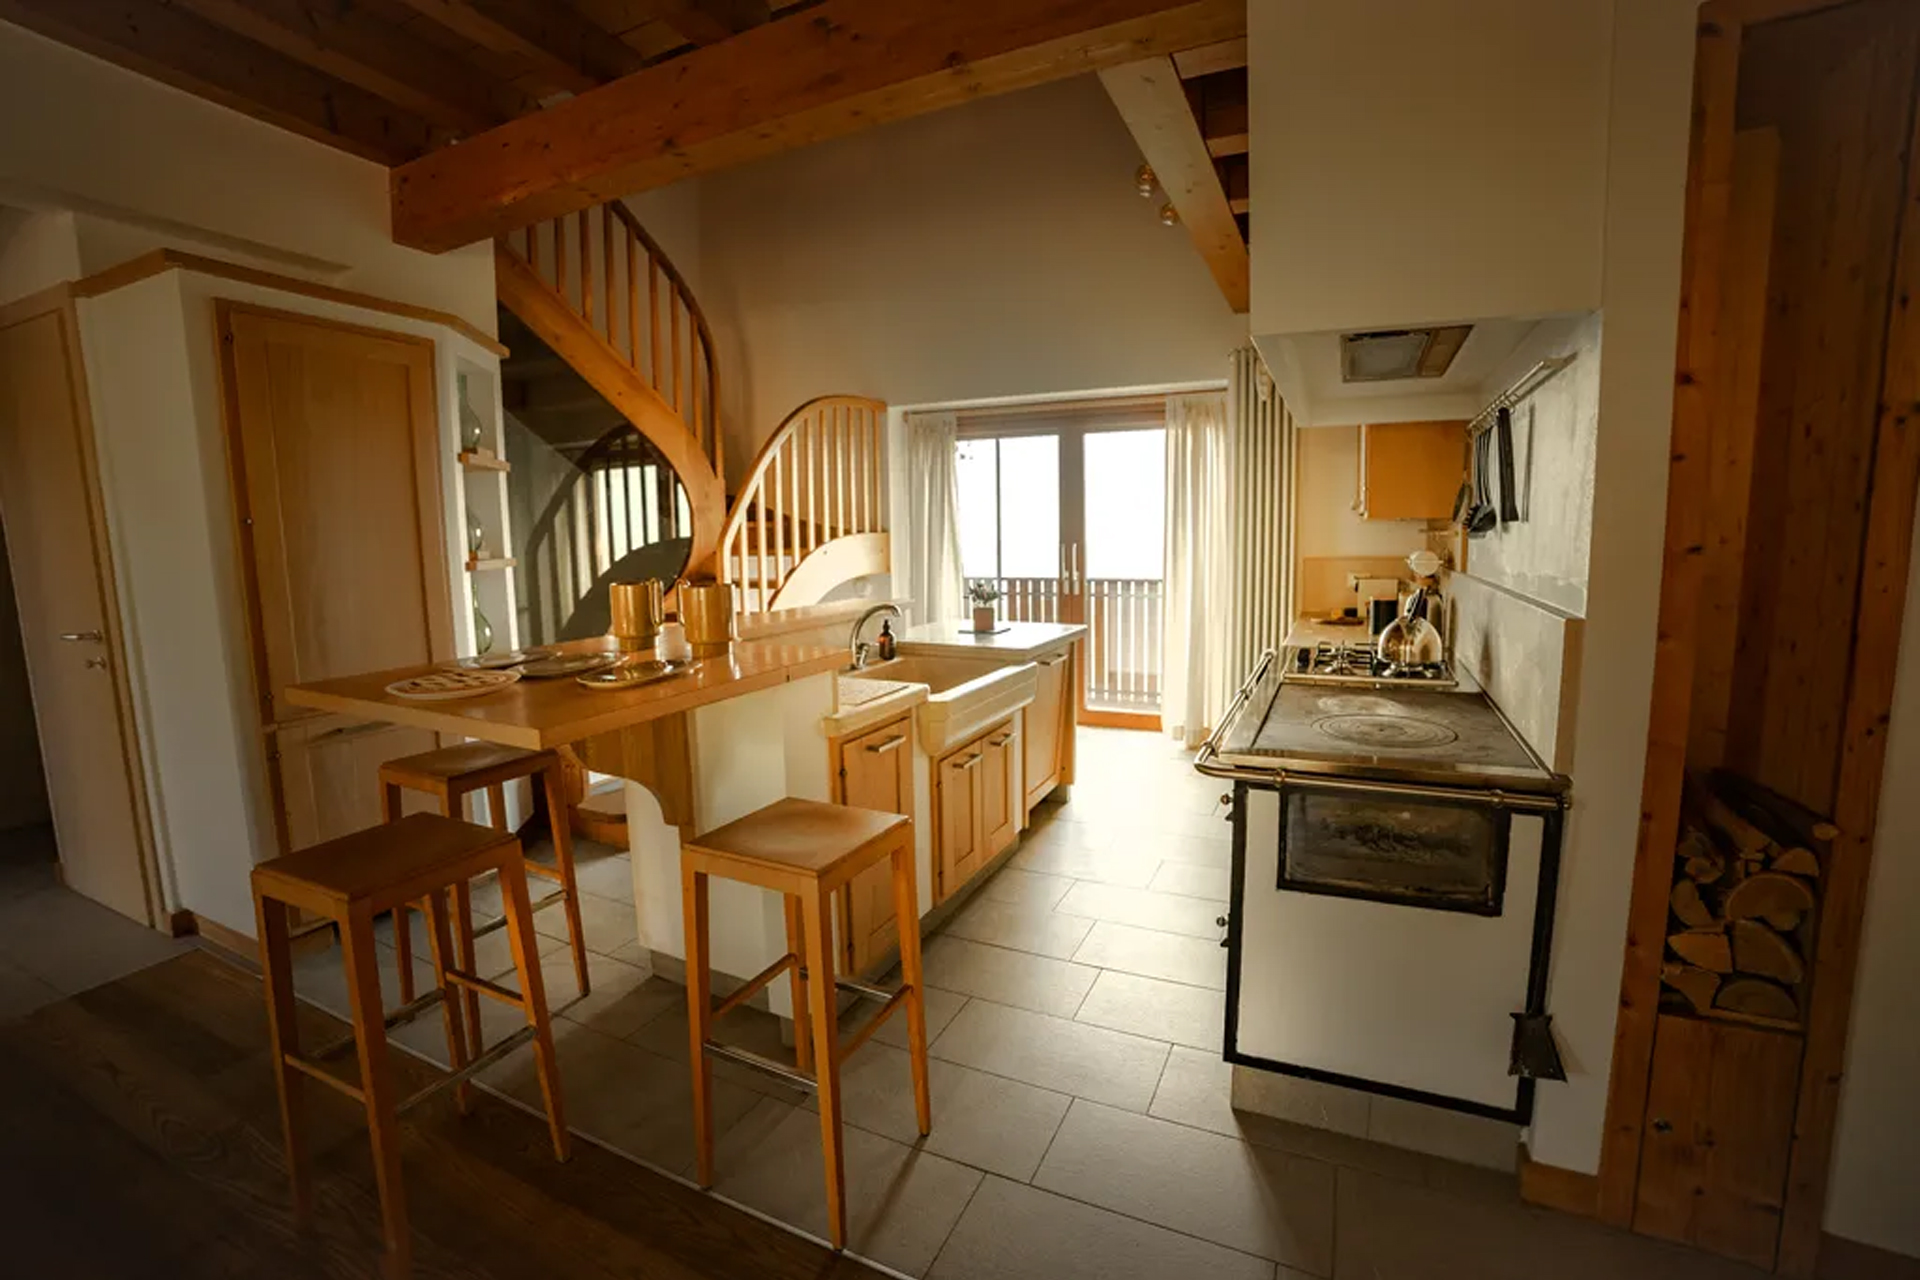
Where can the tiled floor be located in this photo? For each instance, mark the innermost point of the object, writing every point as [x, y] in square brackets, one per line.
[53, 942]
[1081, 1117]
[1082, 1124]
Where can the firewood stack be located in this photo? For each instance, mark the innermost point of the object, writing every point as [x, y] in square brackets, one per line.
[1745, 901]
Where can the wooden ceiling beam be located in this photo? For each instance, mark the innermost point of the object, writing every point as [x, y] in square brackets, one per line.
[711, 21]
[351, 44]
[827, 71]
[1227, 55]
[161, 41]
[1153, 102]
[565, 50]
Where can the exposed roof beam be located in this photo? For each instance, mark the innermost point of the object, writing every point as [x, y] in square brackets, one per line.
[1227, 55]
[350, 44]
[835, 69]
[565, 50]
[162, 42]
[1153, 102]
[711, 21]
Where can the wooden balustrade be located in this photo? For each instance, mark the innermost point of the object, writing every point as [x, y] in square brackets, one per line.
[1126, 632]
[616, 279]
[818, 488]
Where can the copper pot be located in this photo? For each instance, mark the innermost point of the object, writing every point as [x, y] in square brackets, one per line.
[707, 612]
[638, 608]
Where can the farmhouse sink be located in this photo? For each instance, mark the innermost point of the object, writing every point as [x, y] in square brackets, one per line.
[955, 698]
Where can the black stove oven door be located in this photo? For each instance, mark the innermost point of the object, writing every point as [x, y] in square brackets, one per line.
[1394, 844]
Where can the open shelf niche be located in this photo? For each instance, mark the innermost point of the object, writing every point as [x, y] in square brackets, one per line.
[485, 531]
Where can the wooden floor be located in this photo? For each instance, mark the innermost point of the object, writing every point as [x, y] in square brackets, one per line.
[139, 1138]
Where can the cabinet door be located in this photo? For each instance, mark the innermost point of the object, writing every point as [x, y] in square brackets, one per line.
[957, 822]
[327, 770]
[1001, 792]
[1719, 1133]
[1048, 720]
[875, 772]
[1411, 470]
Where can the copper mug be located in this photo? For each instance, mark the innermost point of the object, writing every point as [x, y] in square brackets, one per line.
[707, 612]
[638, 608]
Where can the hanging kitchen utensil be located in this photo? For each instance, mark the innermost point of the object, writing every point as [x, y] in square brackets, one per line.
[1482, 518]
[1503, 429]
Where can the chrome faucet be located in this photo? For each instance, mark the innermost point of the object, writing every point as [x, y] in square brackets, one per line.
[860, 648]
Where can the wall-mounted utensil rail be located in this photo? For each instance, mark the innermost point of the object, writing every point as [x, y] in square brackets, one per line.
[1529, 383]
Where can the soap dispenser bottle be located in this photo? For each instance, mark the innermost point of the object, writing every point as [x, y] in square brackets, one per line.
[884, 643]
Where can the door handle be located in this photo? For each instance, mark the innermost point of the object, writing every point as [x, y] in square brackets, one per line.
[881, 748]
[77, 637]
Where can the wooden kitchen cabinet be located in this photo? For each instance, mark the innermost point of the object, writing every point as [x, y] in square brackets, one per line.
[1049, 726]
[1719, 1134]
[873, 771]
[976, 798]
[1410, 470]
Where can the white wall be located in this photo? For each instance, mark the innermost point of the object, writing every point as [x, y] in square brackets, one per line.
[1874, 1195]
[1417, 162]
[996, 249]
[1651, 80]
[38, 249]
[1328, 524]
[88, 136]
[1555, 434]
[154, 380]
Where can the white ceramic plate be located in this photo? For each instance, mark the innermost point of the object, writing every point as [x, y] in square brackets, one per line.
[634, 674]
[445, 686]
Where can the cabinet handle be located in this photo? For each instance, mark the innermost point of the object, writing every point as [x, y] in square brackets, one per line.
[1053, 660]
[1000, 741]
[881, 748]
[969, 762]
[347, 731]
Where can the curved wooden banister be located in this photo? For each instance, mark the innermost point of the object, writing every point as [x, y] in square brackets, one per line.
[821, 476]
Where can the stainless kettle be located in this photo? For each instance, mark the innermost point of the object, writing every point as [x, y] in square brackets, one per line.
[1410, 640]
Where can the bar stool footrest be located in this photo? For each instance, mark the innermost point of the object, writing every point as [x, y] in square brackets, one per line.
[472, 1069]
[405, 1013]
[497, 923]
[867, 989]
[760, 1062]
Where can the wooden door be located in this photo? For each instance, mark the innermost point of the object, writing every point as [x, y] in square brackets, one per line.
[56, 543]
[875, 772]
[957, 818]
[1719, 1125]
[333, 441]
[1049, 720]
[326, 769]
[1001, 791]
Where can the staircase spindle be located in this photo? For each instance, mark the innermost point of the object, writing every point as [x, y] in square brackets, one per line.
[612, 308]
[586, 267]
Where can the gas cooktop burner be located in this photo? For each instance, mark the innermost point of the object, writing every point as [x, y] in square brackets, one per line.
[1395, 732]
[1344, 663]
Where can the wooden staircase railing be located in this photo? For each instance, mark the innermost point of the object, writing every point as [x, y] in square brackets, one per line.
[600, 291]
[813, 510]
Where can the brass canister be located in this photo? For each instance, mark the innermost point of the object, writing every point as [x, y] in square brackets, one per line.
[707, 612]
[637, 609]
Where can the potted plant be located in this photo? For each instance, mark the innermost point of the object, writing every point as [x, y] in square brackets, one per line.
[983, 594]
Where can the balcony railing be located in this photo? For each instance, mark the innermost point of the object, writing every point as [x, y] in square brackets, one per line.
[1126, 632]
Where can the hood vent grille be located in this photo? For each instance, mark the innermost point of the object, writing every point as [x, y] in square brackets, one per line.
[1388, 355]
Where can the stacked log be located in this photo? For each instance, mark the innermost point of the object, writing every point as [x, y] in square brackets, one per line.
[1744, 901]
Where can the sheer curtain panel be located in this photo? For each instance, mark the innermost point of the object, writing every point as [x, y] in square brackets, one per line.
[1199, 540]
[933, 520]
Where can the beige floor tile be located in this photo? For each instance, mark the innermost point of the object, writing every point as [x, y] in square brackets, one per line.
[1053, 1053]
[1143, 816]
[747, 1027]
[72, 943]
[1192, 1016]
[609, 925]
[1076, 850]
[1217, 854]
[1193, 880]
[1032, 926]
[1040, 983]
[1025, 888]
[998, 1125]
[901, 1202]
[941, 1007]
[1198, 962]
[1254, 1199]
[1014, 1232]
[1145, 909]
[1391, 1230]
[608, 877]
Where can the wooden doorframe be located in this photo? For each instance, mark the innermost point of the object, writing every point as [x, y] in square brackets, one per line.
[59, 301]
[1894, 486]
[436, 566]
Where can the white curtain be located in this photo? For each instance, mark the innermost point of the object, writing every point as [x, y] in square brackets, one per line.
[1230, 526]
[933, 518]
[1198, 566]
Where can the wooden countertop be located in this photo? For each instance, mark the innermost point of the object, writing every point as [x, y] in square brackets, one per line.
[540, 714]
[1020, 640]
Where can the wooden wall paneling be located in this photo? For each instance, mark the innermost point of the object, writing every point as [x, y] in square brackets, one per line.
[1756, 176]
[1709, 188]
[1885, 567]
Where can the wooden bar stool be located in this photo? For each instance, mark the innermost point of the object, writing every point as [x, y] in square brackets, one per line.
[350, 881]
[452, 774]
[805, 850]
